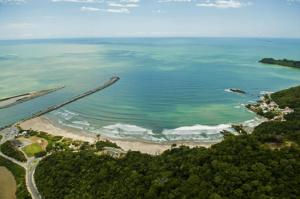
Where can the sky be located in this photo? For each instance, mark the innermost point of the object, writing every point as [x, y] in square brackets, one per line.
[29, 19]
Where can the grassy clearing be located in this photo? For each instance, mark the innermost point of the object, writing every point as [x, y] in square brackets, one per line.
[32, 149]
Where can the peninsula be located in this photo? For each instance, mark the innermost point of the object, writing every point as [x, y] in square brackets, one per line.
[281, 62]
[14, 100]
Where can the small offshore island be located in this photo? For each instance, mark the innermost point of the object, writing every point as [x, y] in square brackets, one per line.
[281, 62]
[263, 164]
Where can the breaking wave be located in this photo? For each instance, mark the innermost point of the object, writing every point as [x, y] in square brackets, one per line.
[198, 132]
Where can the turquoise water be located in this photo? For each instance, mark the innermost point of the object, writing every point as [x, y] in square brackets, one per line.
[170, 89]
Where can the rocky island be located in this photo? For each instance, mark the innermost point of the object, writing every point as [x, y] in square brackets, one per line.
[281, 62]
[236, 90]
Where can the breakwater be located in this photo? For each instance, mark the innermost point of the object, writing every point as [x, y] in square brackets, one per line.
[110, 82]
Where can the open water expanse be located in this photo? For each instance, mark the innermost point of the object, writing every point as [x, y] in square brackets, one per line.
[170, 88]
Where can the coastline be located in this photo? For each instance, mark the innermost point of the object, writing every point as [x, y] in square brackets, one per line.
[45, 125]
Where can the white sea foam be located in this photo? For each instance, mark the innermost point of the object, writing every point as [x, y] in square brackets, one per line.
[196, 132]
[84, 123]
[74, 126]
[196, 129]
[185, 133]
[228, 90]
[127, 131]
[65, 114]
[265, 92]
[254, 122]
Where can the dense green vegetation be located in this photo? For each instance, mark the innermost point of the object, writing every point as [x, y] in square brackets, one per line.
[12, 151]
[289, 98]
[239, 167]
[101, 144]
[278, 132]
[40, 154]
[281, 62]
[19, 174]
[243, 166]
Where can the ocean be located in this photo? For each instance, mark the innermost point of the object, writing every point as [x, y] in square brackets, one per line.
[170, 88]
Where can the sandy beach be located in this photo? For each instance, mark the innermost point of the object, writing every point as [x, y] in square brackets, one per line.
[45, 125]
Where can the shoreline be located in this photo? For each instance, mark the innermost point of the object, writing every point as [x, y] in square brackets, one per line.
[153, 148]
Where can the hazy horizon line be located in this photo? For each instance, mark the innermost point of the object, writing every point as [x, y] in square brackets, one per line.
[146, 37]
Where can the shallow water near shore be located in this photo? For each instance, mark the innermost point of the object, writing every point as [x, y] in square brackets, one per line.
[170, 89]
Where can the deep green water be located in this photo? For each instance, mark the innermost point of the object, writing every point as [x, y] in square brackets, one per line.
[170, 89]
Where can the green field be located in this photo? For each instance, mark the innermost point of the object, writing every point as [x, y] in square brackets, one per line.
[32, 149]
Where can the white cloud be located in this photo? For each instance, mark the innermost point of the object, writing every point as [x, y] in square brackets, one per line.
[89, 9]
[169, 1]
[293, 1]
[129, 5]
[129, 1]
[121, 6]
[78, 1]
[109, 10]
[120, 10]
[13, 1]
[223, 4]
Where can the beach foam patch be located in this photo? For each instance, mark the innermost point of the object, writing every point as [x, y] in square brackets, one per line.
[265, 92]
[197, 132]
[65, 114]
[128, 131]
[254, 122]
[228, 90]
[185, 133]
[84, 123]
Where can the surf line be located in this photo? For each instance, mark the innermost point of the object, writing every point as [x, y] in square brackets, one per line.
[110, 82]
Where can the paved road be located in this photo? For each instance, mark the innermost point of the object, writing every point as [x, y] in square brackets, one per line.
[13, 160]
[29, 166]
[30, 182]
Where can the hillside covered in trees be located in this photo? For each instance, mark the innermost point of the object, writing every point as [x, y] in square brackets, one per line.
[265, 164]
[281, 62]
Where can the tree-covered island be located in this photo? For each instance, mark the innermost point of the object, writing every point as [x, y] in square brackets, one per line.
[281, 62]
